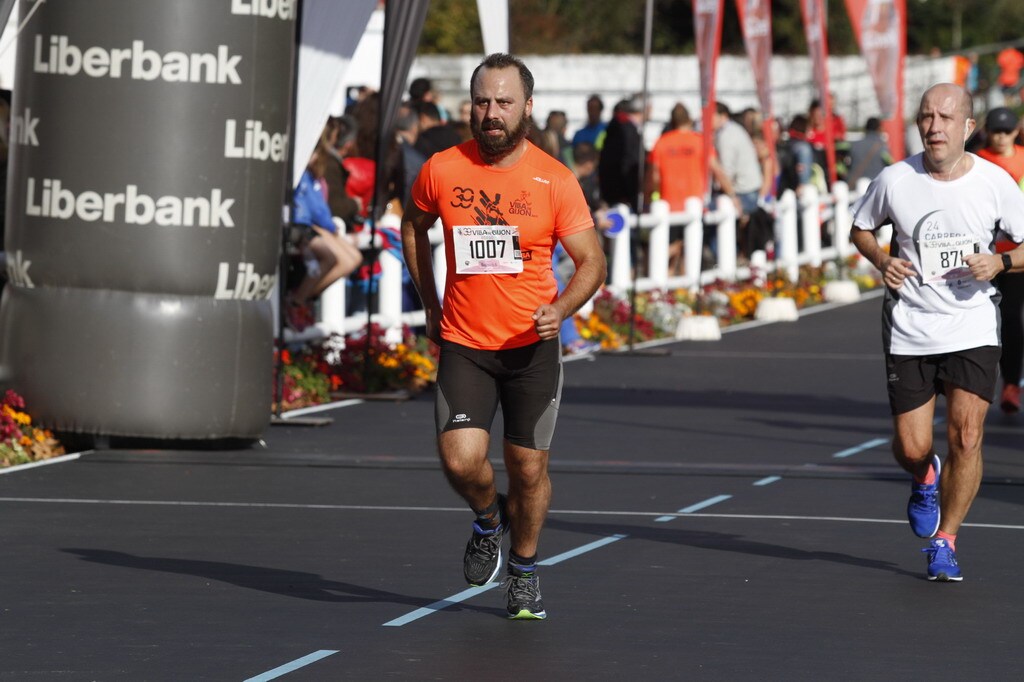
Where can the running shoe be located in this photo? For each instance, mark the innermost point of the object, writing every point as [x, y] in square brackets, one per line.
[942, 564]
[1010, 400]
[923, 508]
[483, 551]
[523, 594]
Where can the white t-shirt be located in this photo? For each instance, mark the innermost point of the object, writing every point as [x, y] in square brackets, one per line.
[935, 224]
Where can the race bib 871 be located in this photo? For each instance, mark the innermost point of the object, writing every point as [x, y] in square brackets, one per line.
[942, 259]
[487, 249]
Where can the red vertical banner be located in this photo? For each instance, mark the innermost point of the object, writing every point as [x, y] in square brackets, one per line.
[756, 24]
[813, 12]
[881, 29]
[707, 18]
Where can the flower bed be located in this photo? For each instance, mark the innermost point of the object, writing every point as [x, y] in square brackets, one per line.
[658, 312]
[21, 441]
[316, 371]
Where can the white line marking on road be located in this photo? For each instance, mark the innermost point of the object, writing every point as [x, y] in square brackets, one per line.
[323, 407]
[43, 462]
[462, 510]
[768, 480]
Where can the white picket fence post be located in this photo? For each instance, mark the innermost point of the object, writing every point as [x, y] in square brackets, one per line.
[693, 241]
[622, 258]
[810, 215]
[657, 245]
[842, 218]
[786, 242]
[726, 231]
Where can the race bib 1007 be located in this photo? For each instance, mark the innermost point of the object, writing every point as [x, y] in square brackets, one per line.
[487, 250]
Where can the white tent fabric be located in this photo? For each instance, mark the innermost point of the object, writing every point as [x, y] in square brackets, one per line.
[494, 24]
[331, 30]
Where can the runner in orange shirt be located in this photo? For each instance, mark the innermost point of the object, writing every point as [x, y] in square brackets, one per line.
[1001, 126]
[677, 173]
[503, 204]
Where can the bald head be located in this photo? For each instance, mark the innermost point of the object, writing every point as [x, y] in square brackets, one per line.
[954, 93]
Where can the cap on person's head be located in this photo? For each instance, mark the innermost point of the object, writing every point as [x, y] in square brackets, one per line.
[1001, 119]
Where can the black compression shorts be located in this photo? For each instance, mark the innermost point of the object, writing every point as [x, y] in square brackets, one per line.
[526, 382]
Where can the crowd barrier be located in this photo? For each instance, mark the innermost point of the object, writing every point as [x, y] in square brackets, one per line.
[800, 222]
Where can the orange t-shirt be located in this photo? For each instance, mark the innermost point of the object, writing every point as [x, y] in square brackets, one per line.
[1010, 63]
[539, 196]
[679, 156]
[1014, 165]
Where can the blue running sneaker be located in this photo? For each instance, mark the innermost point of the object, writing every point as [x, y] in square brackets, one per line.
[923, 508]
[942, 564]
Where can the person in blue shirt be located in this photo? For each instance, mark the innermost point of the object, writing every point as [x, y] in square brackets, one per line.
[593, 132]
[329, 255]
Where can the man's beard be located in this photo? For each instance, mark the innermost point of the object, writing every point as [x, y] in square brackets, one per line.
[490, 146]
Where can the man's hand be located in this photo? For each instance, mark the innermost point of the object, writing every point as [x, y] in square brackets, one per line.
[547, 321]
[895, 270]
[984, 266]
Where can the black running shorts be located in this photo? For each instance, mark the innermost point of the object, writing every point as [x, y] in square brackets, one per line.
[914, 379]
[526, 382]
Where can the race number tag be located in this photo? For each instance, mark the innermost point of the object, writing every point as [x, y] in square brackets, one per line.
[487, 250]
[942, 259]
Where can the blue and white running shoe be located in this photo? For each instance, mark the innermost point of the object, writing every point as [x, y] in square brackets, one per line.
[923, 508]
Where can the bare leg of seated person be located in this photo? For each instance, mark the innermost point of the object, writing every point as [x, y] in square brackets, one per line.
[343, 255]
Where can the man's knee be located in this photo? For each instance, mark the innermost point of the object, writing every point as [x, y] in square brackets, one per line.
[528, 472]
[965, 437]
[913, 447]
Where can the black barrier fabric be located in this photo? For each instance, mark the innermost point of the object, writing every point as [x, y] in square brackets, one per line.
[147, 175]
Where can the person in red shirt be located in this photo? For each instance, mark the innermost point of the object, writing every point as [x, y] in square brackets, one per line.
[1001, 126]
[1010, 61]
[503, 204]
[676, 173]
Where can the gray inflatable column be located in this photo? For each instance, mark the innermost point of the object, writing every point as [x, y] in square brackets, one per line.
[145, 191]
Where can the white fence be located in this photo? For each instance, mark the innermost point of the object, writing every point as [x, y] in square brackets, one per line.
[831, 211]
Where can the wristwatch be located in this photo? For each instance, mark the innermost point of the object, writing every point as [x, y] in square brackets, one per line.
[1007, 262]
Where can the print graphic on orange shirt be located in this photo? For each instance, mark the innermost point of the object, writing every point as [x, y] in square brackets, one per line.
[488, 211]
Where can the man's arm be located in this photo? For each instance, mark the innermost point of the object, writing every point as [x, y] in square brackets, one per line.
[591, 269]
[985, 266]
[419, 259]
[894, 270]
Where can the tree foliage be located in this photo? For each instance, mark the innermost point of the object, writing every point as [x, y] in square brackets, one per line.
[617, 26]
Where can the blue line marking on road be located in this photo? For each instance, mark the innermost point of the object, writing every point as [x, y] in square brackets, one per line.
[694, 507]
[294, 665]
[473, 591]
[861, 448]
[439, 605]
[768, 480]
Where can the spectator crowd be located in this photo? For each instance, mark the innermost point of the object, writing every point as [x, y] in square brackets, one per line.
[606, 154]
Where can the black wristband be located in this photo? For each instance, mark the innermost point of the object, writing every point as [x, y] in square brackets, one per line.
[1007, 262]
